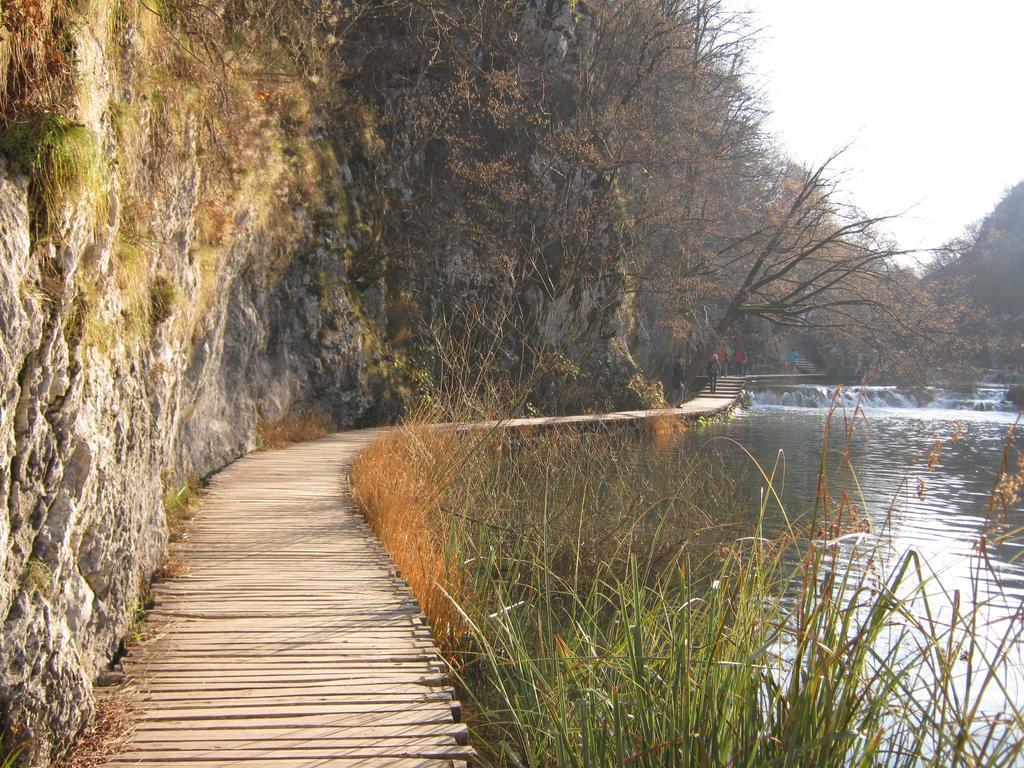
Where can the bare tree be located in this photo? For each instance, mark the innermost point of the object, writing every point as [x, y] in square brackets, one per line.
[812, 262]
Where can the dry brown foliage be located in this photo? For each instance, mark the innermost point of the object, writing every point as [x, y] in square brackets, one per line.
[404, 506]
[108, 734]
[293, 427]
[664, 431]
[35, 56]
[173, 568]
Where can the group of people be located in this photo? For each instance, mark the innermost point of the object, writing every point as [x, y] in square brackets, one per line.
[737, 365]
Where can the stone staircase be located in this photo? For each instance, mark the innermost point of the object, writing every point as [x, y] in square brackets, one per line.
[729, 387]
[803, 365]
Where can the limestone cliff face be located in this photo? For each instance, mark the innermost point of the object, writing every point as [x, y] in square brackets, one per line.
[125, 368]
[220, 258]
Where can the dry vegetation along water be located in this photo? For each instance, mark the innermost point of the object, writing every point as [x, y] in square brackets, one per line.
[604, 602]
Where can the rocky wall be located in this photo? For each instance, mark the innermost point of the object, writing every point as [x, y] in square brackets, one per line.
[102, 411]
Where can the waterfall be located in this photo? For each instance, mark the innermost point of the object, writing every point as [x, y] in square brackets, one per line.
[983, 397]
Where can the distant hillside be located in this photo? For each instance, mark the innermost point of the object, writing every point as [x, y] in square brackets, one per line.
[988, 272]
[997, 258]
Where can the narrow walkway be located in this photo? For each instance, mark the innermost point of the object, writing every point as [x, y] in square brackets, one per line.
[805, 366]
[704, 404]
[291, 643]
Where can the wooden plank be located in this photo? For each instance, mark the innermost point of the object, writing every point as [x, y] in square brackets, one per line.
[290, 647]
[335, 734]
[272, 679]
[177, 753]
[316, 654]
[323, 701]
[395, 622]
[235, 667]
[245, 688]
[231, 712]
[319, 692]
[351, 721]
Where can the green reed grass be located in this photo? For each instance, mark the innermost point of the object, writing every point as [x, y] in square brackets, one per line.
[735, 674]
[616, 612]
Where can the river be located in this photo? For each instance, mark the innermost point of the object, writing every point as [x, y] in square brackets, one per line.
[940, 509]
[926, 462]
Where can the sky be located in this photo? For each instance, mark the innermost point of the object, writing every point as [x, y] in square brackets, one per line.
[929, 96]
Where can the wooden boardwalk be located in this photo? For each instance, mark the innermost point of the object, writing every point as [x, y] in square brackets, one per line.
[291, 643]
[704, 404]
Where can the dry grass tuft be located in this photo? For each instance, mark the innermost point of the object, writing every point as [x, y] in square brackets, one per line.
[39, 575]
[108, 734]
[293, 427]
[173, 568]
[35, 60]
[664, 431]
[433, 495]
[180, 506]
[404, 506]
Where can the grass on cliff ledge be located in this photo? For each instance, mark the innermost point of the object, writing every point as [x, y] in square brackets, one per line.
[64, 163]
[602, 604]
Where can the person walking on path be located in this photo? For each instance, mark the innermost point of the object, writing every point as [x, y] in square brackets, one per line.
[714, 369]
[737, 361]
[679, 380]
[794, 358]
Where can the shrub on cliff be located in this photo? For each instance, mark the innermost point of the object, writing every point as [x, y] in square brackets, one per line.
[36, 50]
[63, 161]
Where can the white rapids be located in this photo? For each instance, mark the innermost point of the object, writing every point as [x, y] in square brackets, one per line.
[982, 397]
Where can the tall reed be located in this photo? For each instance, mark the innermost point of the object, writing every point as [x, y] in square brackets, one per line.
[608, 607]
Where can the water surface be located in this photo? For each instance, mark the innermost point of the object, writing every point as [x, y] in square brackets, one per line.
[939, 507]
[925, 465]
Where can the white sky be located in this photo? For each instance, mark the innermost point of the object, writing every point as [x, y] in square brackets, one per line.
[929, 93]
